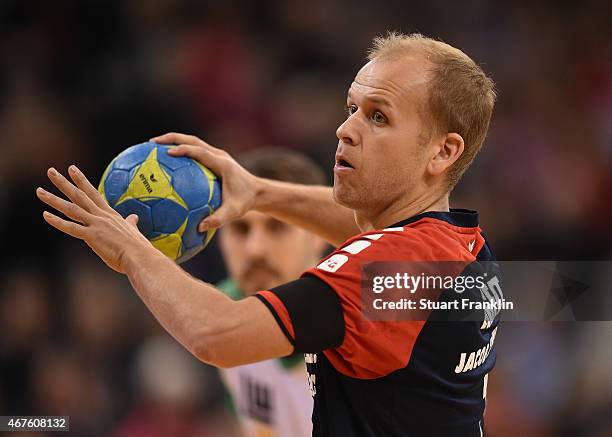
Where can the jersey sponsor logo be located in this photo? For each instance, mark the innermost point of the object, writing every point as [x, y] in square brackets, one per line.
[471, 245]
[333, 263]
[311, 360]
[475, 358]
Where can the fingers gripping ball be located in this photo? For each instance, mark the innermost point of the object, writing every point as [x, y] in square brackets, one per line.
[170, 195]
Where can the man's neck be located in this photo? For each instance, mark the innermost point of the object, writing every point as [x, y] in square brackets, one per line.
[398, 211]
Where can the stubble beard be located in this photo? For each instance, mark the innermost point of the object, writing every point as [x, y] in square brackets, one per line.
[349, 197]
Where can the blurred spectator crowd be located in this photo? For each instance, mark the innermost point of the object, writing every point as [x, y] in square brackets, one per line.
[82, 80]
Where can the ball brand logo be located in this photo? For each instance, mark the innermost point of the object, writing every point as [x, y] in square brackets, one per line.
[144, 180]
[152, 177]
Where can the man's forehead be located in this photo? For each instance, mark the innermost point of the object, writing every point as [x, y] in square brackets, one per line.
[391, 77]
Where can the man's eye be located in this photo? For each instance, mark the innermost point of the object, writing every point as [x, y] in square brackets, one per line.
[239, 228]
[351, 109]
[378, 117]
[276, 226]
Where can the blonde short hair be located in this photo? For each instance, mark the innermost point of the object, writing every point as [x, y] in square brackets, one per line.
[461, 96]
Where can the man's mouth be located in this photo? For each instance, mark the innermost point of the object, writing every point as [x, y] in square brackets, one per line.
[260, 271]
[343, 163]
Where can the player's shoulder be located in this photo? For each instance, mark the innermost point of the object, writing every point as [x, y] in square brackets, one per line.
[428, 238]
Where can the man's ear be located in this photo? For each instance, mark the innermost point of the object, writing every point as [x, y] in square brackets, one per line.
[449, 150]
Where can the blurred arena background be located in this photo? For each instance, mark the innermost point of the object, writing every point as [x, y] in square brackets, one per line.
[81, 80]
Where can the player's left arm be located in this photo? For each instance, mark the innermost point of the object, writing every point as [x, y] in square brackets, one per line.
[209, 324]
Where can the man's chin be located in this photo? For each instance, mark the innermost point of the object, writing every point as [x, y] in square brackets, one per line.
[343, 196]
[337, 194]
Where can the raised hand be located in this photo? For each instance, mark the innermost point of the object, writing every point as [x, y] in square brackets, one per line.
[109, 235]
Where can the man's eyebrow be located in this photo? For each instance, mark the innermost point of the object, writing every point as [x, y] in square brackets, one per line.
[373, 98]
[378, 100]
[275, 220]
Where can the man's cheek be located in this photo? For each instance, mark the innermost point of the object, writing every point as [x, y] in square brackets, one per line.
[235, 263]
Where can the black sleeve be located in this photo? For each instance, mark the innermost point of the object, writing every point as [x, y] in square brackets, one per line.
[315, 312]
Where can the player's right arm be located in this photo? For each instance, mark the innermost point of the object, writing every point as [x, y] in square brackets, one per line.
[309, 207]
[306, 315]
[213, 327]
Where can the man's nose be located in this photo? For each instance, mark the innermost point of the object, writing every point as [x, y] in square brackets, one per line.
[255, 244]
[347, 132]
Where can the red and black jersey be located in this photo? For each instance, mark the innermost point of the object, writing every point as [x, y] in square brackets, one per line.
[398, 377]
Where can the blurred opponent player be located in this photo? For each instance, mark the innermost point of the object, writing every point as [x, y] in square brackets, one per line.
[417, 114]
[260, 252]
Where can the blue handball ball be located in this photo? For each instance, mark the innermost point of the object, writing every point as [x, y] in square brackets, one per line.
[170, 195]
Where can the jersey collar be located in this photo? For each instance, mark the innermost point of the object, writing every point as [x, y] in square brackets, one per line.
[464, 218]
